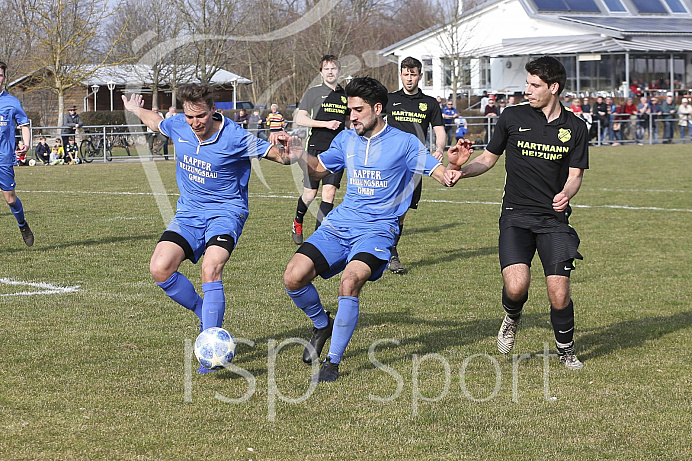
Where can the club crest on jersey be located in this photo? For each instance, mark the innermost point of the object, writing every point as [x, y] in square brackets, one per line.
[564, 134]
[423, 106]
[343, 99]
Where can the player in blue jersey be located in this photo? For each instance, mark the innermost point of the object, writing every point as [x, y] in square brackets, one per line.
[11, 113]
[212, 172]
[357, 236]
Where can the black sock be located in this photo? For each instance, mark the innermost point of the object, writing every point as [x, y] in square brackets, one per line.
[325, 208]
[563, 323]
[301, 210]
[513, 308]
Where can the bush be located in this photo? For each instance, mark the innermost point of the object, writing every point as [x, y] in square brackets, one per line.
[116, 117]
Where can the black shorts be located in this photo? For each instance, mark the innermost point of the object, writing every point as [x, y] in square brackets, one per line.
[333, 179]
[521, 234]
[415, 197]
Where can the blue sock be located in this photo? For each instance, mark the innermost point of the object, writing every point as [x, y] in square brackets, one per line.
[180, 289]
[308, 300]
[344, 325]
[214, 305]
[18, 212]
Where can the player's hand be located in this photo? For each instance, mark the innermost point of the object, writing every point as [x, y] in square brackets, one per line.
[560, 202]
[333, 124]
[452, 177]
[459, 153]
[279, 137]
[438, 155]
[21, 150]
[133, 104]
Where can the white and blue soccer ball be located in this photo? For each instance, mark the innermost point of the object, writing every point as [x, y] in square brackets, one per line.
[215, 348]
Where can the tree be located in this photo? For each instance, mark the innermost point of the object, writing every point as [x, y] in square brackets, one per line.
[66, 45]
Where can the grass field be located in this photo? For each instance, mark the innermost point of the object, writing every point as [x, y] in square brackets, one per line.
[94, 361]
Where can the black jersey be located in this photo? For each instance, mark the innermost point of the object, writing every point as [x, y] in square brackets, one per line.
[323, 103]
[539, 155]
[413, 113]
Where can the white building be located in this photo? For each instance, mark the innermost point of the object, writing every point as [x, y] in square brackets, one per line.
[604, 44]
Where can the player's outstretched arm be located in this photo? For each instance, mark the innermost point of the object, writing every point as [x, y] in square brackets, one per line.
[135, 104]
[459, 153]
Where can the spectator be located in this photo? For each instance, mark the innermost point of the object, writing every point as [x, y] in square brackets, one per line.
[484, 101]
[511, 101]
[491, 113]
[61, 151]
[71, 152]
[70, 121]
[585, 106]
[599, 116]
[55, 158]
[630, 108]
[620, 118]
[685, 122]
[643, 115]
[502, 105]
[669, 111]
[160, 138]
[20, 153]
[655, 115]
[171, 112]
[462, 127]
[449, 113]
[635, 88]
[611, 111]
[275, 121]
[576, 108]
[43, 151]
[241, 118]
[256, 124]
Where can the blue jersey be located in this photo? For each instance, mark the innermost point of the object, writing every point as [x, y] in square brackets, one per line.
[11, 113]
[213, 174]
[380, 173]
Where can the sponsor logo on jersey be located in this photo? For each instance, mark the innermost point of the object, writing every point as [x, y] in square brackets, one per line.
[564, 134]
[343, 99]
[423, 106]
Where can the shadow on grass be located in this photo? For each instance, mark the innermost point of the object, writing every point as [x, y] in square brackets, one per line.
[449, 256]
[598, 342]
[41, 246]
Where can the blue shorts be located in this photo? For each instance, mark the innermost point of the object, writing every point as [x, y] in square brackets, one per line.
[7, 178]
[339, 245]
[198, 227]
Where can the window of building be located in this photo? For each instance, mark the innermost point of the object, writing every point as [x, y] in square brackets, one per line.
[484, 71]
[615, 6]
[676, 6]
[649, 6]
[458, 70]
[427, 72]
[581, 6]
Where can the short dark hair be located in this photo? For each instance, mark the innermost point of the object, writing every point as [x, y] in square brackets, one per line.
[196, 93]
[369, 90]
[411, 63]
[3, 66]
[330, 58]
[548, 69]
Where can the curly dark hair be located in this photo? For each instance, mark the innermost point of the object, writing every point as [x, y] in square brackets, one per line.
[369, 90]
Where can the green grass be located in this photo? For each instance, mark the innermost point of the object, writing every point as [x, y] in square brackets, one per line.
[99, 373]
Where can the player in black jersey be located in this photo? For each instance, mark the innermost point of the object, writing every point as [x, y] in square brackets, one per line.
[413, 112]
[323, 110]
[546, 150]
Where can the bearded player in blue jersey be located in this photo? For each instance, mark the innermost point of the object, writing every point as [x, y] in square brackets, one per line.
[11, 113]
[356, 238]
[213, 170]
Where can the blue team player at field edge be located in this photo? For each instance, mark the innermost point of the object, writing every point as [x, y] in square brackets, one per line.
[357, 236]
[212, 173]
[11, 113]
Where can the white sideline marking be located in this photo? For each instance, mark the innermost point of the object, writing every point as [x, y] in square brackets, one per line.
[45, 288]
[458, 202]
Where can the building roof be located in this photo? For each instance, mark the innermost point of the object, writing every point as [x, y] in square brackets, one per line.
[592, 43]
[142, 75]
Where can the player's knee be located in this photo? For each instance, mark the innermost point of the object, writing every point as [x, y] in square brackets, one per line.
[291, 279]
[159, 272]
[350, 286]
[309, 195]
[515, 291]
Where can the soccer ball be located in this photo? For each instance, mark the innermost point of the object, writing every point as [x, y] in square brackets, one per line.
[32, 162]
[215, 348]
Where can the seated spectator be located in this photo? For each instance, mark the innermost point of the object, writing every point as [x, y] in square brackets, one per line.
[256, 124]
[43, 151]
[61, 151]
[20, 153]
[71, 152]
[462, 128]
[55, 158]
[241, 118]
[576, 108]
